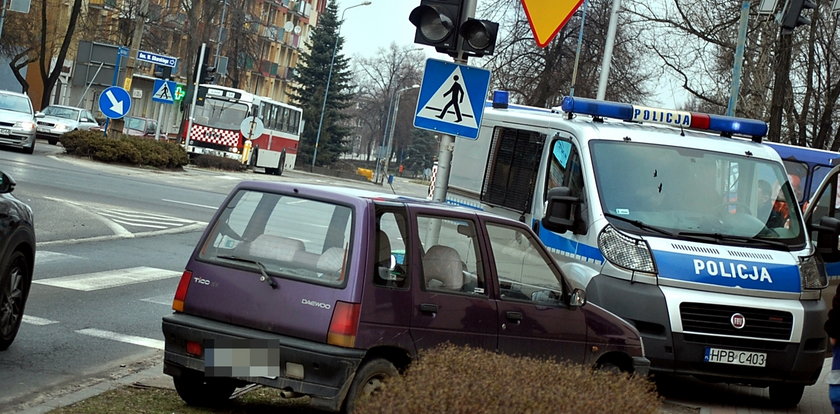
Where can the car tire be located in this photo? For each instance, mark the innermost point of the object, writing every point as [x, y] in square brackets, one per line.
[52, 141]
[786, 395]
[198, 390]
[14, 288]
[31, 148]
[368, 380]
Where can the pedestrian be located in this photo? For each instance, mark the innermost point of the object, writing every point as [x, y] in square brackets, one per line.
[832, 327]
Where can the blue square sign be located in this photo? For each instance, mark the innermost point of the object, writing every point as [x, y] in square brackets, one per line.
[451, 98]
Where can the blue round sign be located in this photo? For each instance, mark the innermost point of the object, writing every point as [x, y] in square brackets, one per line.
[114, 102]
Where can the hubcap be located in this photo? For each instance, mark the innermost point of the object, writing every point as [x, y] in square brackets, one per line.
[11, 297]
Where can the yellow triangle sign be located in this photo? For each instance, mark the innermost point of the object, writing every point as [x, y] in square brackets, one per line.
[547, 17]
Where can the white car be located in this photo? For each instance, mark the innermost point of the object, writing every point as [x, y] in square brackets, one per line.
[56, 120]
[17, 121]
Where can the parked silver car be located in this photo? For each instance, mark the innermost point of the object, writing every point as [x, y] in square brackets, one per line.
[56, 120]
[17, 121]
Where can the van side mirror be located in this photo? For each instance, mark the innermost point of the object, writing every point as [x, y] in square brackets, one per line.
[828, 239]
[560, 210]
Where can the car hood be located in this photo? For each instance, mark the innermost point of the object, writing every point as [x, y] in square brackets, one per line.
[55, 119]
[12, 116]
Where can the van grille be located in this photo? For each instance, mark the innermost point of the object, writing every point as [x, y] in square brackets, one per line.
[715, 319]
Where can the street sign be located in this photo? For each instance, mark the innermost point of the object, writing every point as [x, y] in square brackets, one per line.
[161, 60]
[251, 127]
[164, 91]
[547, 17]
[451, 98]
[114, 102]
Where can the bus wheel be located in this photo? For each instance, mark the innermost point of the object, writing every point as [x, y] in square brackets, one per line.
[281, 164]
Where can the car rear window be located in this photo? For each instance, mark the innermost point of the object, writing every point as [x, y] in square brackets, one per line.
[287, 236]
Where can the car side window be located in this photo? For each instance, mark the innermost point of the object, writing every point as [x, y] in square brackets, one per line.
[450, 258]
[523, 272]
[390, 265]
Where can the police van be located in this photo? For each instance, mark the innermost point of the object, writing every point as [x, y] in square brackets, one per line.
[667, 218]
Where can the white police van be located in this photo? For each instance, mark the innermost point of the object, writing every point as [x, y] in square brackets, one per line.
[669, 222]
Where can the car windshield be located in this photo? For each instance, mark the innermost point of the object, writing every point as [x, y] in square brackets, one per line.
[135, 123]
[220, 114]
[695, 194]
[59, 112]
[290, 237]
[15, 103]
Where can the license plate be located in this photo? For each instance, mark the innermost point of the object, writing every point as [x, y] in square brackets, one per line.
[729, 356]
[4, 131]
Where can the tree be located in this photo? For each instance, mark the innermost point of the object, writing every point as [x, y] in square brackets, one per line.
[242, 45]
[422, 151]
[311, 79]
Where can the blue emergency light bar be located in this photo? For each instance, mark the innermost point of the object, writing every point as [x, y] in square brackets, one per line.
[726, 125]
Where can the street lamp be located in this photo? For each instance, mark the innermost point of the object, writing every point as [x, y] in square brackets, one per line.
[395, 103]
[329, 79]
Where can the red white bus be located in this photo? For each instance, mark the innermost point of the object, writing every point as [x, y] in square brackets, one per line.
[218, 115]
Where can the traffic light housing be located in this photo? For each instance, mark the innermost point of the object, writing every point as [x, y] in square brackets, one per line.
[207, 74]
[792, 16]
[444, 25]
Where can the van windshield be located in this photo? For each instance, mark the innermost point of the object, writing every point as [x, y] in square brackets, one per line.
[693, 193]
[286, 236]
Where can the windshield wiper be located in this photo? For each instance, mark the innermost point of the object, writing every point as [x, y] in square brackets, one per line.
[640, 224]
[729, 237]
[263, 278]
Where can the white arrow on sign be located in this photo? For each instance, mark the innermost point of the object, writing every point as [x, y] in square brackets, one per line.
[116, 106]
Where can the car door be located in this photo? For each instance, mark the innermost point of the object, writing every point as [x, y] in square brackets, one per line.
[450, 297]
[87, 121]
[534, 315]
[825, 203]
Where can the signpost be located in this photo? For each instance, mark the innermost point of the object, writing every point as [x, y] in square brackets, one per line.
[451, 98]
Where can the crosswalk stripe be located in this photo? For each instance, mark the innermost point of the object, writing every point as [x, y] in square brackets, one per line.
[113, 278]
[34, 320]
[165, 300]
[129, 339]
[43, 257]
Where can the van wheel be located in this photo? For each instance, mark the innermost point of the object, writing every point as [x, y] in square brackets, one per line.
[202, 391]
[369, 380]
[14, 287]
[786, 395]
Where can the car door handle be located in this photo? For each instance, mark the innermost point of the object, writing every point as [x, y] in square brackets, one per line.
[514, 316]
[428, 308]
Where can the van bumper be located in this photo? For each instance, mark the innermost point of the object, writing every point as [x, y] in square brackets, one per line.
[327, 370]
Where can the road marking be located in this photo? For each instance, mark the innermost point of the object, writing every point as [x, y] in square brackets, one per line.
[190, 204]
[43, 257]
[165, 300]
[113, 278]
[129, 339]
[34, 320]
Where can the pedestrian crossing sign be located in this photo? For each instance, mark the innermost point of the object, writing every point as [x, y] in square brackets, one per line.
[164, 91]
[451, 98]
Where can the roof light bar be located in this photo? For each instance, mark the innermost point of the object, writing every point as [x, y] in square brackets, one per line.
[726, 125]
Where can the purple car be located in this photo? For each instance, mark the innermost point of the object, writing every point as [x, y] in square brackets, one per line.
[327, 291]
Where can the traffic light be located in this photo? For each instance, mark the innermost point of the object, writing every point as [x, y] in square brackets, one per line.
[792, 16]
[444, 25]
[207, 74]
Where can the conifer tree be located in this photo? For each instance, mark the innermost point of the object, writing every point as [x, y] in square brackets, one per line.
[312, 75]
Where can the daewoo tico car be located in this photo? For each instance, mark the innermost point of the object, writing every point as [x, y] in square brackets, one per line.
[17, 257]
[325, 292]
[56, 120]
[17, 121]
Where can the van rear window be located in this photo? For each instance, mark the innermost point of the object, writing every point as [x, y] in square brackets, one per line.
[287, 236]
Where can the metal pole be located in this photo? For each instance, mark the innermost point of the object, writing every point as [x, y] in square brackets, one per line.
[117, 68]
[739, 59]
[377, 174]
[136, 40]
[608, 49]
[87, 88]
[391, 134]
[577, 52]
[194, 95]
[219, 40]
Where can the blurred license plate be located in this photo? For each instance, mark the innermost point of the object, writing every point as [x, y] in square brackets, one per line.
[4, 131]
[728, 356]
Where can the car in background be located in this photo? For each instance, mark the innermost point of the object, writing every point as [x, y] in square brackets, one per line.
[140, 127]
[56, 120]
[17, 121]
[17, 259]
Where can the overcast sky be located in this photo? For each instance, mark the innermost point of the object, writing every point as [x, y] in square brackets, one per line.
[366, 29]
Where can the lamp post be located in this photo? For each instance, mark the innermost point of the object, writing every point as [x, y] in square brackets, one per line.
[329, 79]
[395, 103]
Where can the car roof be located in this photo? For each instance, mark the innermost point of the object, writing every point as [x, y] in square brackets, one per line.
[68, 107]
[13, 93]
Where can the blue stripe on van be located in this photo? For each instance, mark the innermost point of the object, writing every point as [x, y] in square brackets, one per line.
[833, 269]
[726, 272]
[569, 247]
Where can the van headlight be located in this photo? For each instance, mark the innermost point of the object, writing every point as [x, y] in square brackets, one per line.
[625, 251]
[813, 273]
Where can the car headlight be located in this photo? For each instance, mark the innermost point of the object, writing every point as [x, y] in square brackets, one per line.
[25, 125]
[813, 273]
[62, 127]
[625, 251]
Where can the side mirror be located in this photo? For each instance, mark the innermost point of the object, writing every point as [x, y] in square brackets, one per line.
[577, 298]
[39, 114]
[828, 239]
[560, 210]
[7, 184]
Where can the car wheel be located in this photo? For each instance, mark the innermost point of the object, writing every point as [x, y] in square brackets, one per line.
[199, 390]
[52, 141]
[14, 288]
[786, 395]
[31, 148]
[369, 380]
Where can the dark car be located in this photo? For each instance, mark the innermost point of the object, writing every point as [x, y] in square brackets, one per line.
[325, 292]
[141, 127]
[17, 258]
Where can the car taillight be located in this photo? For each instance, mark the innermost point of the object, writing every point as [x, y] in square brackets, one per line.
[181, 292]
[194, 348]
[344, 324]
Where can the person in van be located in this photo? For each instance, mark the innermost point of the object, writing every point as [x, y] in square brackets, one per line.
[766, 206]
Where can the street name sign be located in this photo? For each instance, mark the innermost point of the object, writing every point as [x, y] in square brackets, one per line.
[161, 60]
